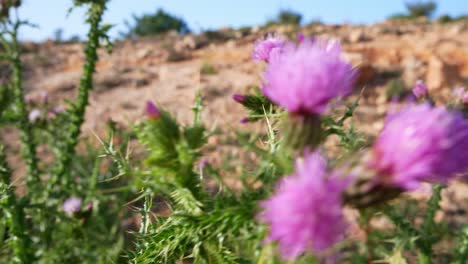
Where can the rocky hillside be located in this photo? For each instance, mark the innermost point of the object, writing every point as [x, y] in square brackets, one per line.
[170, 68]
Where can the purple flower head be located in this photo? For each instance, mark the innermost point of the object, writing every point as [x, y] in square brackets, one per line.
[238, 98]
[420, 89]
[202, 163]
[244, 120]
[29, 98]
[421, 143]
[305, 213]
[152, 111]
[56, 110]
[264, 49]
[72, 205]
[300, 37]
[461, 94]
[304, 78]
[34, 115]
[44, 97]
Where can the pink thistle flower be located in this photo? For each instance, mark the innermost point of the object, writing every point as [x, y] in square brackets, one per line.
[421, 143]
[300, 37]
[29, 98]
[56, 110]
[34, 115]
[44, 97]
[152, 111]
[420, 89]
[264, 49]
[305, 213]
[304, 78]
[72, 206]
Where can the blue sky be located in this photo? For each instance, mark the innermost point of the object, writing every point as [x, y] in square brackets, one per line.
[50, 15]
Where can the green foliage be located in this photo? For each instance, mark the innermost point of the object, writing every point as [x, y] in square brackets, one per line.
[36, 228]
[444, 19]
[208, 235]
[461, 250]
[421, 8]
[416, 9]
[286, 17]
[155, 24]
[396, 89]
[257, 104]
[172, 151]
[13, 215]
[208, 69]
[204, 219]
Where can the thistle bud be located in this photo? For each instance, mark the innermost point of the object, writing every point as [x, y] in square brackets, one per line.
[239, 98]
[152, 111]
[302, 131]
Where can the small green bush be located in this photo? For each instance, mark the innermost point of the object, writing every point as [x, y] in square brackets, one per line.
[421, 8]
[208, 69]
[449, 19]
[416, 9]
[156, 24]
[286, 17]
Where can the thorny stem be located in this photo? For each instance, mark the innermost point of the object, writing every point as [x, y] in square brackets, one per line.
[26, 133]
[13, 214]
[77, 110]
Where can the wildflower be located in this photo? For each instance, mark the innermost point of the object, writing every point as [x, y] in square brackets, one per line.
[238, 98]
[305, 213]
[34, 115]
[44, 97]
[29, 98]
[304, 78]
[264, 49]
[421, 143]
[152, 110]
[420, 89]
[244, 120]
[300, 37]
[72, 206]
[459, 92]
[53, 112]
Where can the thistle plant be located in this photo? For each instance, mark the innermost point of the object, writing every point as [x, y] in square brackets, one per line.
[300, 218]
[57, 219]
[289, 204]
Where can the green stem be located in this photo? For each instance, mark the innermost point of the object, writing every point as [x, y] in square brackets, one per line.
[26, 129]
[424, 258]
[14, 214]
[66, 152]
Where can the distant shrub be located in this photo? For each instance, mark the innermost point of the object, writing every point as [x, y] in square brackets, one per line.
[246, 30]
[218, 35]
[155, 24]
[5, 6]
[289, 17]
[449, 19]
[208, 69]
[421, 8]
[416, 9]
[286, 17]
